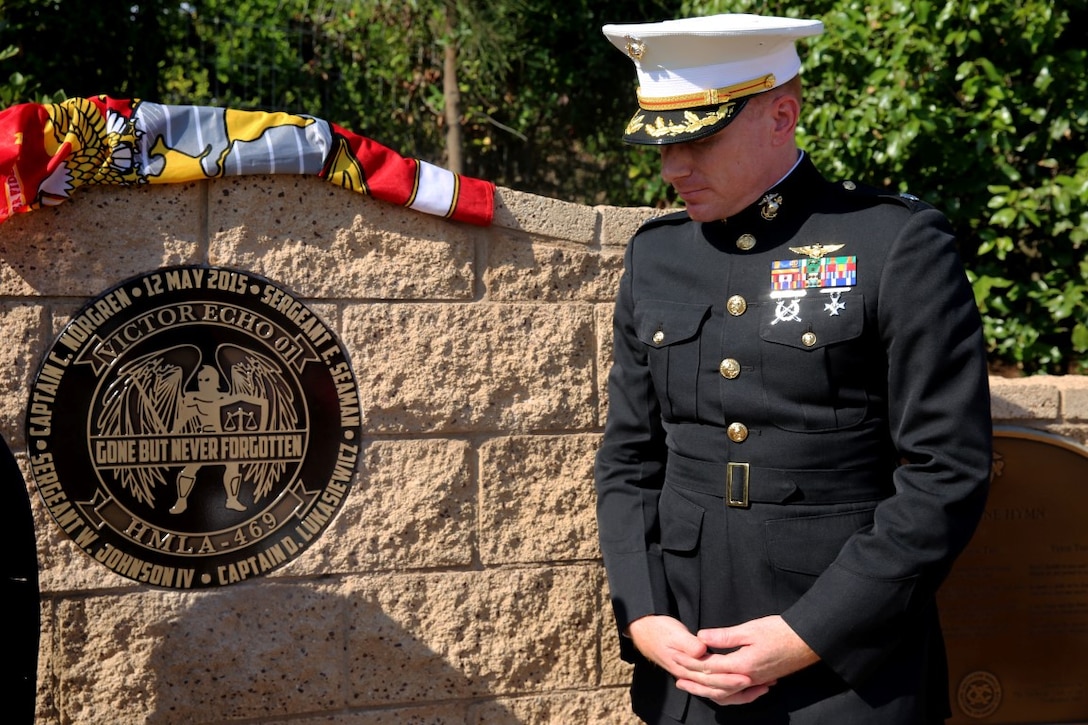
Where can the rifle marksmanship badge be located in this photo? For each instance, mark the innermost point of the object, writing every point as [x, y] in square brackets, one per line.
[194, 427]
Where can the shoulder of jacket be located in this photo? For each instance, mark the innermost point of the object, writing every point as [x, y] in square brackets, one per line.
[866, 194]
[672, 219]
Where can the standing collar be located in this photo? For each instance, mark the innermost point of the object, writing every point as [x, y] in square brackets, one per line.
[785, 198]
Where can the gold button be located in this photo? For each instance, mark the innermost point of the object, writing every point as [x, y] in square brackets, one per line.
[745, 242]
[729, 368]
[736, 305]
[737, 432]
[808, 339]
[659, 337]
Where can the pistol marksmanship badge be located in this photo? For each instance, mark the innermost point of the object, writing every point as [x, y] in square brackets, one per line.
[792, 278]
[194, 427]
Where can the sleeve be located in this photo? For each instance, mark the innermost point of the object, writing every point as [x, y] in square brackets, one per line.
[885, 579]
[629, 473]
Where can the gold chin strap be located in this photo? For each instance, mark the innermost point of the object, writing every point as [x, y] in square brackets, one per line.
[709, 97]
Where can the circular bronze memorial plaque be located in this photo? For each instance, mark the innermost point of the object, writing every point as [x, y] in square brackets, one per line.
[1015, 607]
[194, 427]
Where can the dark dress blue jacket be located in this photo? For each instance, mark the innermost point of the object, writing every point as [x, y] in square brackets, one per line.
[798, 424]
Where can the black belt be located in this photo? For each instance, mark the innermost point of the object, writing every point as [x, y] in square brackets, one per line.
[740, 484]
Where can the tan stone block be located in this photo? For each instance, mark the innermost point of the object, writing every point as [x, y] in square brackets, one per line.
[1074, 434]
[320, 240]
[170, 657]
[603, 315]
[99, 238]
[525, 268]
[46, 707]
[329, 314]
[619, 223]
[449, 368]
[537, 501]
[544, 216]
[599, 707]
[436, 715]
[1018, 399]
[412, 505]
[614, 671]
[441, 637]
[25, 327]
[1074, 392]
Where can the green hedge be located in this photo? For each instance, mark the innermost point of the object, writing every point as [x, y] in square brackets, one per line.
[980, 108]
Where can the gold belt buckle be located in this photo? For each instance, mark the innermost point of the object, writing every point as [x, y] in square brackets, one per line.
[736, 485]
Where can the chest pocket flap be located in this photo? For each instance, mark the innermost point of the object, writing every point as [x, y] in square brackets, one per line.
[811, 324]
[660, 323]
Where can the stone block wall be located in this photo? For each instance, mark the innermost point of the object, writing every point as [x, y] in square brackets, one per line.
[461, 580]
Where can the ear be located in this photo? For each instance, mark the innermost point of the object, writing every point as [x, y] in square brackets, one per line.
[785, 111]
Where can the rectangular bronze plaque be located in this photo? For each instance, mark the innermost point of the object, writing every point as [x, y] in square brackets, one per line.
[1015, 607]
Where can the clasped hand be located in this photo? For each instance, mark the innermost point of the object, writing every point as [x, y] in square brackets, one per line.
[756, 654]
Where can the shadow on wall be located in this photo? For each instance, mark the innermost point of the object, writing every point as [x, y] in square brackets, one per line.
[242, 653]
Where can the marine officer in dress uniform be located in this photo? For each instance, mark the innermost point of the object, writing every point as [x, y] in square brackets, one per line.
[798, 440]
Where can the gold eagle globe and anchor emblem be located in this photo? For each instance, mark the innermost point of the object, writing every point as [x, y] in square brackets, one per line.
[194, 427]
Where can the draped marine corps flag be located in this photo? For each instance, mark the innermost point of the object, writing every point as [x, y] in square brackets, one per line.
[49, 150]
